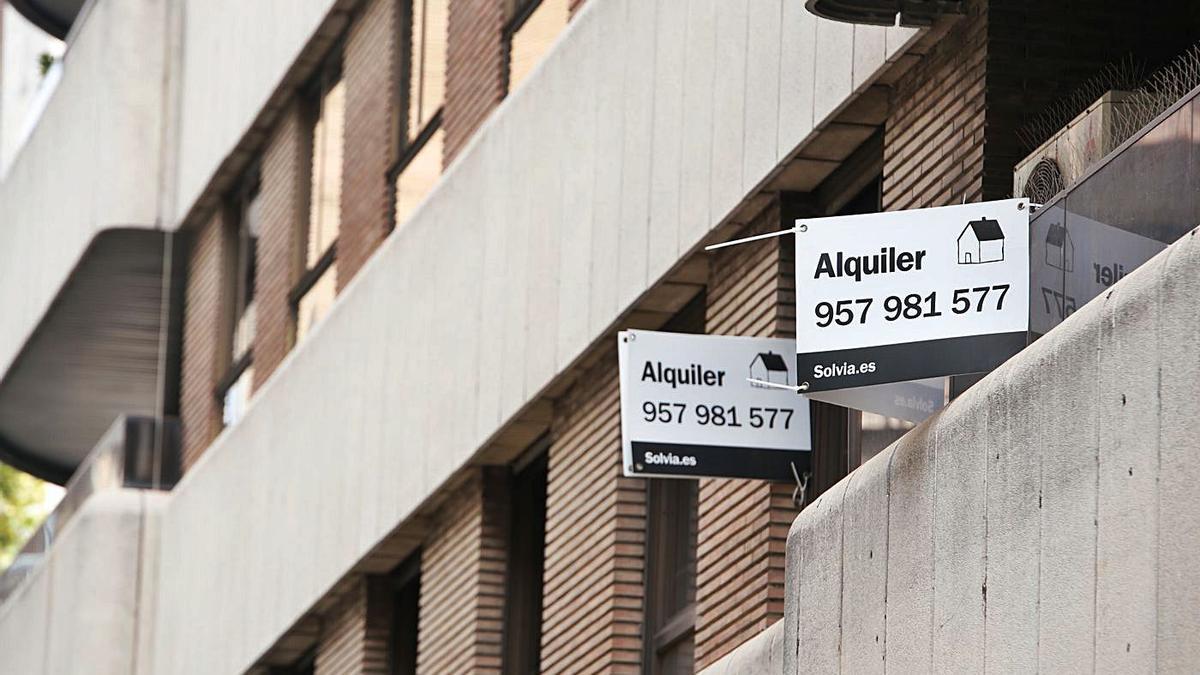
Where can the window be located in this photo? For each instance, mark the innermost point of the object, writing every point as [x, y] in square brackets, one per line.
[305, 665]
[671, 515]
[869, 433]
[422, 92]
[233, 389]
[316, 289]
[534, 26]
[876, 432]
[406, 614]
[526, 563]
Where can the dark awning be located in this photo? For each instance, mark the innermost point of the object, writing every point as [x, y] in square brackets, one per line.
[98, 353]
[53, 16]
[884, 12]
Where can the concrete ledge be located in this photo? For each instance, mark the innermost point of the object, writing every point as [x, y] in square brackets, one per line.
[80, 611]
[761, 655]
[1042, 522]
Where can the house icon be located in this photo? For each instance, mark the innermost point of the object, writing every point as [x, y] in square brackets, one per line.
[1060, 250]
[769, 367]
[981, 241]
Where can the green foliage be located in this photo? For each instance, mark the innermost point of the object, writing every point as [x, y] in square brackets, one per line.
[20, 510]
[45, 62]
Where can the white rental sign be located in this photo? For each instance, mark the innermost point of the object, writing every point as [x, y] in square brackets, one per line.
[910, 401]
[907, 295]
[1075, 259]
[687, 408]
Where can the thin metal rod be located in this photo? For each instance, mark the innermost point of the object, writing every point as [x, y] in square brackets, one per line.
[775, 385]
[756, 237]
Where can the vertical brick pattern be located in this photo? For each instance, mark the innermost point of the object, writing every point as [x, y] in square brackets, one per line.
[595, 536]
[462, 581]
[355, 633]
[476, 68]
[743, 524]
[369, 67]
[205, 334]
[283, 195]
[934, 134]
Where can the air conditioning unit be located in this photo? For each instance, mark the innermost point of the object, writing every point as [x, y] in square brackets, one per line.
[1066, 156]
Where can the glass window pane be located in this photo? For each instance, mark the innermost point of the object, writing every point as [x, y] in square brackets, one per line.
[237, 397]
[419, 177]
[679, 659]
[533, 39]
[243, 331]
[324, 217]
[676, 506]
[315, 304]
[878, 432]
[671, 524]
[248, 250]
[427, 78]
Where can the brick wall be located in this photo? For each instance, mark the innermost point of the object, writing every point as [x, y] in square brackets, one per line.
[934, 134]
[355, 633]
[206, 333]
[462, 580]
[743, 524]
[369, 67]
[476, 69]
[284, 185]
[1038, 52]
[595, 536]
[952, 134]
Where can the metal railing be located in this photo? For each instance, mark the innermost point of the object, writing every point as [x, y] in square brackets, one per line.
[132, 454]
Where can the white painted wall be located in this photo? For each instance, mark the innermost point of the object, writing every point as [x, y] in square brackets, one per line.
[642, 129]
[91, 162]
[23, 88]
[1048, 520]
[82, 609]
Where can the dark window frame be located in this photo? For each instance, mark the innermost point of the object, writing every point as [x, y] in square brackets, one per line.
[305, 664]
[327, 76]
[524, 588]
[667, 547]
[405, 582]
[241, 276]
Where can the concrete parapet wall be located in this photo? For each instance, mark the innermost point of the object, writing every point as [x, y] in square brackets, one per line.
[761, 655]
[1047, 520]
[83, 609]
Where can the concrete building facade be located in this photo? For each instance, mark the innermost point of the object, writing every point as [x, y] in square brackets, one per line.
[371, 257]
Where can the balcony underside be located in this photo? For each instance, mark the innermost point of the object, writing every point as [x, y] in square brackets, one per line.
[97, 353]
[53, 16]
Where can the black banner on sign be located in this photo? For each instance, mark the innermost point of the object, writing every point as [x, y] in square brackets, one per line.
[677, 459]
[847, 368]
